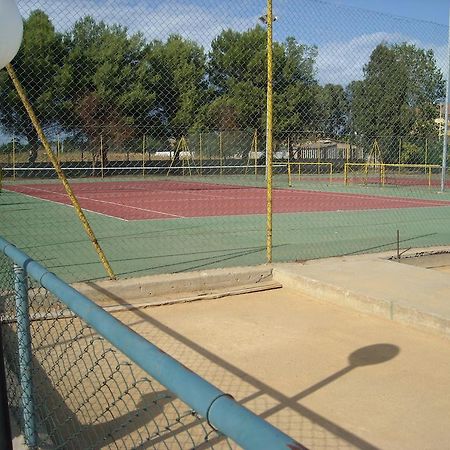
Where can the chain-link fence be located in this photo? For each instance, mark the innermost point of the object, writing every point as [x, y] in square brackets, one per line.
[157, 112]
[69, 387]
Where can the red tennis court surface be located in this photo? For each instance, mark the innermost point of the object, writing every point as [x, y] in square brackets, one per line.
[137, 200]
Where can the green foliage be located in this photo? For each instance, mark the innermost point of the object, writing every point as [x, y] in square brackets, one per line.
[411, 154]
[397, 96]
[334, 110]
[295, 103]
[42, 53]
[237, 72]
[178, 74]
[103, 84]
[97, 81]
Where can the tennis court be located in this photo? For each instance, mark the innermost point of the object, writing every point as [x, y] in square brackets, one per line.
[143, 200]
[164, 224]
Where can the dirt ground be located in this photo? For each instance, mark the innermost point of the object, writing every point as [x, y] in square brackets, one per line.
[329, 377]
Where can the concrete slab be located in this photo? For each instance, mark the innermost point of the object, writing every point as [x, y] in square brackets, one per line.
[310, 357]
[179, 287]
[436, 261]
[328, 376]
[376, 285]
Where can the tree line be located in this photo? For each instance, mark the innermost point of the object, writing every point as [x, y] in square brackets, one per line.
[98, 80]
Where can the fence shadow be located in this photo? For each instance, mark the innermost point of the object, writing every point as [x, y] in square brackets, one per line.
[288, 405]
[148, 417]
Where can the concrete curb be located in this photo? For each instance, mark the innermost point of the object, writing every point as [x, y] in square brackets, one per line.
[149, 288]
[397, 311]
[333, 294]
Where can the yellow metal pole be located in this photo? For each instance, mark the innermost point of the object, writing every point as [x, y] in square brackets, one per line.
[149, 152]
[318, 157]
[58, 150]
[59, 172]
[346, 173]
[289, 163]
[426, 151]
[221, 152]
[289, 149]
[200, 153]
[101, 155]
[185, 148]
[173, 159]
[14, 157]
[269, 141]
[143, 156]
[255, 152]
[181, 157]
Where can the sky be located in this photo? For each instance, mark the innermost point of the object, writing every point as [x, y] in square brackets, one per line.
[430, 10]
[345, 32]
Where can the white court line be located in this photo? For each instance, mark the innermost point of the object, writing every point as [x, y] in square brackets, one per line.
[417, 202]
[104, 201]
[375, 197]
[65, 204]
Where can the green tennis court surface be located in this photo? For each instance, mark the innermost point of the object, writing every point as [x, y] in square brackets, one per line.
[51, 233]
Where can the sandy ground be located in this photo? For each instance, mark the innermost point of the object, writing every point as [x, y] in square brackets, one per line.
[327, 376]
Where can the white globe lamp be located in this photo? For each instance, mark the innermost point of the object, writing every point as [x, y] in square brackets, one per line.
[11, 29]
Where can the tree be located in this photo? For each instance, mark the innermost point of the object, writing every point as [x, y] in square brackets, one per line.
[296, 109]
[334, 110]
[396, 98]
[38, 65]
[237, 71]
[179, 68]
[104, 84]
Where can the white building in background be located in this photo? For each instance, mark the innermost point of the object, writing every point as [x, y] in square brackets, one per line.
[326, 150]
[440, 121]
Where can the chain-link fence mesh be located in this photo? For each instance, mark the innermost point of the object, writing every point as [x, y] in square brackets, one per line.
[83, 393]
[158, 114]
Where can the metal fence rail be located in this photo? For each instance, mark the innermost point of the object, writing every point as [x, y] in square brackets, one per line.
[79, 378]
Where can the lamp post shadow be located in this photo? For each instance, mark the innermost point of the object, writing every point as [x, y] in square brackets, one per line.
[364, 356]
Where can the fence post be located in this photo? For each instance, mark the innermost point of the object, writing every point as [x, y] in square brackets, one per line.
[255, 152]
[101, 156]
[447, 94]
[73, 199]
[5, 426]
[200, 152]
[221, 152]
[14, 157]
[143, 155]
[24, 352]
[269, 141]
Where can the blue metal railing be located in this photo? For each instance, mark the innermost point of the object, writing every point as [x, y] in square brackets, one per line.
[221, 411]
